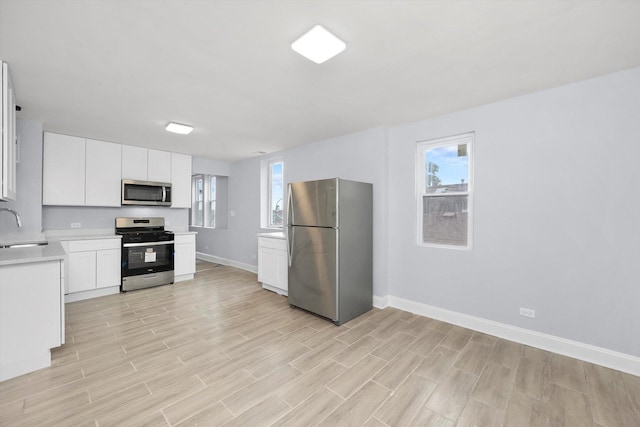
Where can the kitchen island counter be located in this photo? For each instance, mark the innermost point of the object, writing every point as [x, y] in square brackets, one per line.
[50, 252]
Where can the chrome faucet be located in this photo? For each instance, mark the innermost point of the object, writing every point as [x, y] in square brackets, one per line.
[18, 220]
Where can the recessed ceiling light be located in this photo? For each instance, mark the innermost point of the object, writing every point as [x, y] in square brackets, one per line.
[318, 45]
[178, 128]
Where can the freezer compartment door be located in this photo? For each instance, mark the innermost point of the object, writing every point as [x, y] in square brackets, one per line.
[313, 203]
[313, 270]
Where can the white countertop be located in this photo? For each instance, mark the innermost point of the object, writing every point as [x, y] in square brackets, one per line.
[60, 235]
[52, 251]
[273, 235]
[100, 233]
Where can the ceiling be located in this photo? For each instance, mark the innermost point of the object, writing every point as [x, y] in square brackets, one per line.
[120, 71]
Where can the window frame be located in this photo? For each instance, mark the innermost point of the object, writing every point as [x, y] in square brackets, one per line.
[211, 202]
[206, 200]
[269, 213]
[195, 201]
[420, 189]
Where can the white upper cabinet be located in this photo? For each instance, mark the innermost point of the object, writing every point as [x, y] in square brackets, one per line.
[103, 172]
[180, 180]
[134, 163]
[158, 166]
[9, 141]
[86, 172]
[63, 170]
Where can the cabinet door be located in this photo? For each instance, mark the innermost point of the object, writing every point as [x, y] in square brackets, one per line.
[103, 172]
[63, 170]
[82, 271]
[185, 259]
[268, 265]
[8, 142]
[180, 180]
[30, 312]
[159, 166]
[108, 268]
[134, 162]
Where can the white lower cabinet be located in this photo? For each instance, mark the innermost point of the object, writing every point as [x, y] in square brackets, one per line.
[108, 267]
[93, 268]
[272, 264]
[184, 261]
[82, 271]
[31, 316]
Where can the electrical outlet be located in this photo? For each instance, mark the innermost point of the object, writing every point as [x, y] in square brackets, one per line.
[527, 312]
[76, 225]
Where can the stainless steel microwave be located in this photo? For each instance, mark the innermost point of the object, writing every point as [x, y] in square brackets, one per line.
[146, 193]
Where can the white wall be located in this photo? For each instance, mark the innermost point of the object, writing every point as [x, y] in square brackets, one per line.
[29, 184]
[214, 241]
[359, 157]
[556, 214]
[103, 218]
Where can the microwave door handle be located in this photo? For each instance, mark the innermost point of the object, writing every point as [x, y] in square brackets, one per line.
[164, 193]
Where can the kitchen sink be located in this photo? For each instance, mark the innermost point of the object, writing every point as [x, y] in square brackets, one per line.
[24, 245]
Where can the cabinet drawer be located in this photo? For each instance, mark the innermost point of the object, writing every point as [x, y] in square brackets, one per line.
[93, 245]
[268, 242]
[184, 238]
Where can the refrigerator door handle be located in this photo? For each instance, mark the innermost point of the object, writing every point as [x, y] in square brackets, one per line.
[290, 231]
[289, 206]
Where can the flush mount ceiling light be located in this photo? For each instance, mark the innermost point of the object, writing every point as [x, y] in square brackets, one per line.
[178, 128]
[318, 45]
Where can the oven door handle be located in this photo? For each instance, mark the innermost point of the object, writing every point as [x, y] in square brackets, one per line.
[134, 245]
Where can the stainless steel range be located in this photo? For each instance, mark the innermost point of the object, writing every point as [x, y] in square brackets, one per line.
[147, 253]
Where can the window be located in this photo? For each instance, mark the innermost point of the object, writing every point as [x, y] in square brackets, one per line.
[211, 214]
[197, 200]
[275, 202]
[444, 185]
[203, 201]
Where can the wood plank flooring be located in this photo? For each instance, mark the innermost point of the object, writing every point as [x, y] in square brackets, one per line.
[220, 350]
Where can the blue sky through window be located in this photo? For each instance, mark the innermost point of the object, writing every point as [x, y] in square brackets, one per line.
[452, 161]
[276, 185]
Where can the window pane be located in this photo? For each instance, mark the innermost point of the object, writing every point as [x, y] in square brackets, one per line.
[444, 220]
[275, 194]
[211, 214]
[446, 168]
[198, 196]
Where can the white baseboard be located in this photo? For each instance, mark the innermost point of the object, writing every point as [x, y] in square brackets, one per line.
[586, 352]
[229, 262]
[182, 278]
[25, 365]
[277, 290]
[94, 293]
[380, 302]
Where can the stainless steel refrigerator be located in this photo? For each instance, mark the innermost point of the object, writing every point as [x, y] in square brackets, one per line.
[330, 247]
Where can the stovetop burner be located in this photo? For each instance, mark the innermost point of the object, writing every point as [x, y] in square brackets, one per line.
[142, 230]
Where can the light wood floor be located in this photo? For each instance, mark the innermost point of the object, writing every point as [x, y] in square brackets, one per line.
[220, 350]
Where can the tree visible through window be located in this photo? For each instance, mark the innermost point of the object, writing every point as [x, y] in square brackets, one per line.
[443, 172]
[275, 202]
